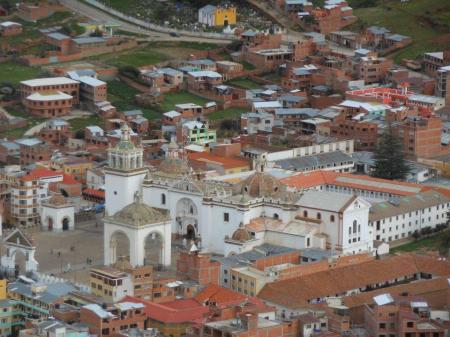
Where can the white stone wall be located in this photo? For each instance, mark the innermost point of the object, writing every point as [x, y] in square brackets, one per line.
[58, 214]
[120, 189]
[403, 225]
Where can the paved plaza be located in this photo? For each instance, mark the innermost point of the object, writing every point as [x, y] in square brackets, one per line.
[66, 254]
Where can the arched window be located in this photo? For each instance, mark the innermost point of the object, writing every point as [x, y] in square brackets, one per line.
[276, 216]
[354, 226]
[359, 228]
[350, 230]
[305, 214]
[163, 199]
[191, 210]
[332, 218]
[319, 216]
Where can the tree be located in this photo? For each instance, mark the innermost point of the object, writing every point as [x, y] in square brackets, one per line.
[444, 242]
[79, 134]
[389, 158]
[416, 235]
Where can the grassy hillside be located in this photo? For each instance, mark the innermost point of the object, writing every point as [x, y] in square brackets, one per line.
[426, 21]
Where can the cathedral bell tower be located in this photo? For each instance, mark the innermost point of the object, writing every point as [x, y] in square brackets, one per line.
[124, 174]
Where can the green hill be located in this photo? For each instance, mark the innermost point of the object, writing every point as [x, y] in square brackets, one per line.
[426, 21]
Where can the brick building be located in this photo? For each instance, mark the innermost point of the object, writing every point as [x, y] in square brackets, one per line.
[330, 18]
[33, 12]
[371, 69]
[33, 150]
[48, 105]
[204, 80]
[269, 59]
[401, 315]
[105, 321]
[421, 136]
[198, 268]
[56, 132]
[433, 61]
[364, 132]
[49, 86]
[9, 28]
[61, 43]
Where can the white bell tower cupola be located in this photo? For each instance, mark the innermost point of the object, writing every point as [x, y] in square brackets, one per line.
[125, 172]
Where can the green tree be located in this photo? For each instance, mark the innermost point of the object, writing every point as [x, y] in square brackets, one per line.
[389, 157]
[444, 242]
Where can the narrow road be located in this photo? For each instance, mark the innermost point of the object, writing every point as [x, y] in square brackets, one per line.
[99, 15]
[75, 114]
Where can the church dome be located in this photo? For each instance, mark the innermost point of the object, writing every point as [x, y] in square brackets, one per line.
[260, 185]
[175, 166]
[139, 214]
[57, 200]
[241, 234]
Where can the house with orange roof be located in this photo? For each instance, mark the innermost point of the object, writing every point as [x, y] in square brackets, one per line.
[205, 161]
[297, 294]
[172, 318]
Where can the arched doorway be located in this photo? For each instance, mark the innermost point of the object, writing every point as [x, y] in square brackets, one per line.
[187, 217]
[20, 262]
[119, 246]
[50, 223]
[154, 250]
[190, 232]
[65, 224]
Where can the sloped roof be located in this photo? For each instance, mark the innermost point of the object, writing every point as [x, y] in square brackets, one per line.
[17, 237]
[295, 293]
[415, 288]
[178, 311]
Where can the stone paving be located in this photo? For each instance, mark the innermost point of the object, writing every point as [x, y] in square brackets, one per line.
[66, 254]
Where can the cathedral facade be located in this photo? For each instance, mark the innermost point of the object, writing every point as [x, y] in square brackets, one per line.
[220, 217]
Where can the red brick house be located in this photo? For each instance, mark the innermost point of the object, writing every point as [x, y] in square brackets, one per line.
[9, 28]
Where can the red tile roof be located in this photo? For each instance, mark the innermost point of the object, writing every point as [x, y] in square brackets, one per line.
[175, 312]
[319, 178]
[43, 172]
[219, 295]
[226, 162]
[94, 193]
[296, 292]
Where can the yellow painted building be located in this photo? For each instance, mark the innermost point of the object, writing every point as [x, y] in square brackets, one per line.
[226, 16]
[216, 16]
[247, 280]
[3, 289]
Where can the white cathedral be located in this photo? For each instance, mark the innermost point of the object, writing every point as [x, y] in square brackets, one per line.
[223, 218]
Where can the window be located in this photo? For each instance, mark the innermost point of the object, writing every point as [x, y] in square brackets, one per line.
[305, 214]
[332, 218]
[163, 199]
[226, 217]
[410, 325]
[319, 216]
[308, 242]
[354, 226]
[276, 216]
